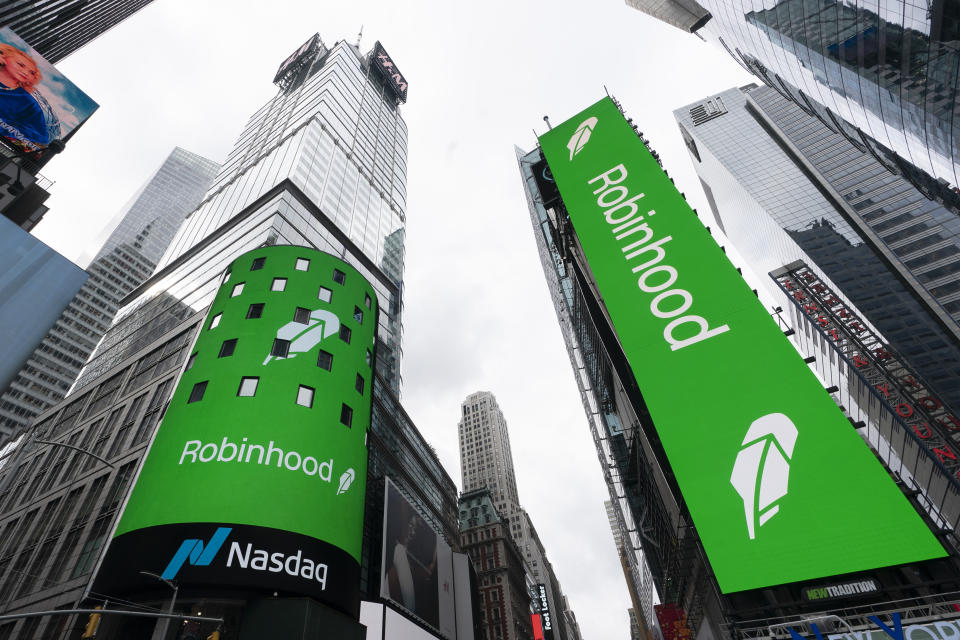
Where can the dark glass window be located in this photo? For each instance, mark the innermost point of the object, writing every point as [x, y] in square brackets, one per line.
[301, 315]
[255, 310]
[257, 264]
[325, 360]
[358, 315]
[369, 357]
[359, 384]
[346, 415]
[345, 334]
[193, 358]
[367, 300]
[280, 348]
[339, 276]
[196, 394]
[227, 348]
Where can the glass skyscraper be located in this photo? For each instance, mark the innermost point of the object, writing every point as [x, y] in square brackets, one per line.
[321, 165]
[883, 74]
[138, 236]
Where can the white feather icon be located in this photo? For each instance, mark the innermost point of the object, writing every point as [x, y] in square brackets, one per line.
[345, 481]
[581, 137]
[304, 337]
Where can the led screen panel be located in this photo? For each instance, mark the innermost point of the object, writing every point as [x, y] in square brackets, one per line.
[37, 103]
[256, 479]
[780, 486]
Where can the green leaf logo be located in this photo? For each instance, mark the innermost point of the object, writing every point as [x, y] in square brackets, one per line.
[581, 137]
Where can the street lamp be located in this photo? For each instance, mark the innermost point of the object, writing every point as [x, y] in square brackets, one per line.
[160, 630]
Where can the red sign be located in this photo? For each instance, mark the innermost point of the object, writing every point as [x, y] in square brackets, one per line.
[537, 626]
[673, 621]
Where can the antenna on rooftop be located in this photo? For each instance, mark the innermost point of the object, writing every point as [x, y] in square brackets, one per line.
[359, 35]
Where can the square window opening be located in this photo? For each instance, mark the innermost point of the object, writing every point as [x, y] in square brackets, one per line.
[248, 387]
[255, 311]
[339, 276]
[325, 360]
[279, 284]
[193, 358]
[325, 294]
[280, 348]
[303, 264]
[215, 321]
[301, 315]
[359, 384]
[346, 416]
[257, 264]
[369, 357]
[345, 334]
[237, 289]
[305, 396]
[367, 301]
[358, 315]
[196, 394]
[227, 348]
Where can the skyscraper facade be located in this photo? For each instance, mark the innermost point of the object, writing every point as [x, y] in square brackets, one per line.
[486, 463]
[322, 165]
[890, 250]
[56, 28]
[639, 586]
[884, 75]
[140, 234]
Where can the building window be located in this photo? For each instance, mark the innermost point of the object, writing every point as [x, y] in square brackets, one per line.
[255, 310]
[359, 384]
[367, 300]
[369, 357]
[227, 348]
[302, 264]
[280, 348]
[226, 277]
[215, 321]
[237, 290]
[301, 315]
[346, 415]
[324, 294]
[279, 284]
[325, 360]
[345, 333]
[191, 360]
[248, 387]
[358, 315]
[305, 396]
[196, 394]
[257, 264]
[339, 276]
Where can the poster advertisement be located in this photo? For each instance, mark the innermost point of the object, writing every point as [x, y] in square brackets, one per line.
[37, 103]
[417, 564]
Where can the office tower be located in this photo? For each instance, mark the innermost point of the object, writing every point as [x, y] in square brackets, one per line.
[486, 462]
[788, 188]
[320, 166]
[138, 236]
[56, 29]
[697, 400]
[485, 537]
[884, 75]
[639, 585]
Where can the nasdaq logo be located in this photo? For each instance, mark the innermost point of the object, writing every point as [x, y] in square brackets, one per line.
[196, 553]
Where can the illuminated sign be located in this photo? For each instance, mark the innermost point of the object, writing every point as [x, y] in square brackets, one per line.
[297, 56]
[37, 103]
[542, 605]
[760, 452]
[256, 479]
[855, 588]
[896, 628]
[673, 621]
[382, 62]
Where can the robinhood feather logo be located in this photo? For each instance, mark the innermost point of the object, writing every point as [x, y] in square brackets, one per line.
[345, 481]
[761, 470]
[581, 137]
[304, 337]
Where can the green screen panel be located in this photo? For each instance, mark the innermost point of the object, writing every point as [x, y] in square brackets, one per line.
[780, 486]
[263, 445]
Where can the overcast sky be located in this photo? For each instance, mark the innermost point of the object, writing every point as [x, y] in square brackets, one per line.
[477, 315]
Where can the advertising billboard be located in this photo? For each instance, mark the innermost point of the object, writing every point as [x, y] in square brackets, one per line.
[542, 606]
[780, 487]
[37, 103]
[382, 62]
[256, 477]
[417, 564]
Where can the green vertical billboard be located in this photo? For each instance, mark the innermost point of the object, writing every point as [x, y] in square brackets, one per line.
[780, 486]
[256, 478]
